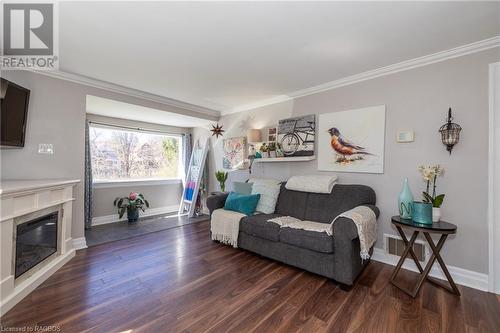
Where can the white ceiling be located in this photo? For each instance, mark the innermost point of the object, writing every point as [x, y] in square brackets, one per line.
[225, 55]
[115, 109]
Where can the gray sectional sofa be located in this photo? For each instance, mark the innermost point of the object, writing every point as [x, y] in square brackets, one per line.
[336, 257]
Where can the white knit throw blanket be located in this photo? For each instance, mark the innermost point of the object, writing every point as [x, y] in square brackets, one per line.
[311, 183]
[366, 222]
[363, 217]
[225, 226]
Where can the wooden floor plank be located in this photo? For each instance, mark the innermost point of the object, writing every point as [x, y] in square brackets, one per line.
[178, 280]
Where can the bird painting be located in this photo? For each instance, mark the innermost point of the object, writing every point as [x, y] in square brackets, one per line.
[352, 140]
[347, 152]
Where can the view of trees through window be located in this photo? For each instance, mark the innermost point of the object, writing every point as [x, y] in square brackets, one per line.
[121, 154]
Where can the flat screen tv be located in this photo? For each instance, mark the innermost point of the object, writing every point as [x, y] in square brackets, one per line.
[14, 114]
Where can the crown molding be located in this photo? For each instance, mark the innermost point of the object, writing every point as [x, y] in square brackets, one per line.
[112, 87]
[371, 74]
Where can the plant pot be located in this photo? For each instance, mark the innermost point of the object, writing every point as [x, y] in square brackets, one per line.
[436, 214]
[132, 215]
[422, 212]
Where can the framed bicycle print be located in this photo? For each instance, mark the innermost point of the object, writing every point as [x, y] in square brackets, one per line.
[297, 135]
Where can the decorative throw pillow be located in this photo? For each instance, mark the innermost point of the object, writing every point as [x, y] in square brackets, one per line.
[245, 204]
[268, 196]
[242, 188]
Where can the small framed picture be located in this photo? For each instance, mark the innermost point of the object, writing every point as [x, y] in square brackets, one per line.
[405, 136]
[271, 134]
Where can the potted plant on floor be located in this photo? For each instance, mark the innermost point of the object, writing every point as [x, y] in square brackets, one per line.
[131, 205]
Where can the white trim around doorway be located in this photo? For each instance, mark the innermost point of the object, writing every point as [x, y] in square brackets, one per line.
[494, 179]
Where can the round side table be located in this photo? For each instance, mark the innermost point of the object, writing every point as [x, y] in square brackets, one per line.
[441, 228]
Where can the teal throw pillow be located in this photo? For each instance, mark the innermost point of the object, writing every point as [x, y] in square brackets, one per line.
[244, 204]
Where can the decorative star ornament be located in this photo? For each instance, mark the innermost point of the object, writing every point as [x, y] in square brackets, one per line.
[217, 130]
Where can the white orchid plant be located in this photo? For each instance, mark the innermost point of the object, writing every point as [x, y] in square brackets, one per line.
[430, 174]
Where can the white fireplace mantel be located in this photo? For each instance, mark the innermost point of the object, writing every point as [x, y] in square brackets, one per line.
[18, 199]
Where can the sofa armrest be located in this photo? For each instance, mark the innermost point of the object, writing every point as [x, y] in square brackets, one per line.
[375, 210]
[216, 201]
[348, 263]
[345, 227]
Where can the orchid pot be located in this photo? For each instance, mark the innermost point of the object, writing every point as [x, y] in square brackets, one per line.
[436, 214]
[430, 175]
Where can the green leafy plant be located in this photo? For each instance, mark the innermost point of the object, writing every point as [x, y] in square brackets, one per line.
[221, 177]
[132, 202]
[430, 174]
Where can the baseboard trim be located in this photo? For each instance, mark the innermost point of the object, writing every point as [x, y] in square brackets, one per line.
[99, 220]
[79, 243]
[460, 276]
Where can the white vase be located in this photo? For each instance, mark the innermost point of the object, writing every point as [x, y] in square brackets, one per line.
[436, 214]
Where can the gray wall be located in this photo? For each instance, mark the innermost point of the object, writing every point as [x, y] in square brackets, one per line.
[157, 195]
[57, 115]
[416, 99]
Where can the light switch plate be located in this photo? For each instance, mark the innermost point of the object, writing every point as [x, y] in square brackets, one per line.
[45, 148]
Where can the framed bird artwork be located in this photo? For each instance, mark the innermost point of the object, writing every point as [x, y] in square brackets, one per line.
[352, 141]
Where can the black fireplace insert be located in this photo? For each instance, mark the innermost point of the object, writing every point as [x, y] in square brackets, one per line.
[35, 241]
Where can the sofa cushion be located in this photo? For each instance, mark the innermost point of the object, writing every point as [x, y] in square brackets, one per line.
[325, 207]
[292, 203]
[257, 225]
[242, 188]
[268, 197]
[311, 240]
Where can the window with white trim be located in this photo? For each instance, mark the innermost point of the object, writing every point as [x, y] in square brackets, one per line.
[119, 154]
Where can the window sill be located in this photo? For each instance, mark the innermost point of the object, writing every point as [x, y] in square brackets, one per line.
[134, 182]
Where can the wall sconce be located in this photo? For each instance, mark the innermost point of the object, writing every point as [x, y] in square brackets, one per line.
[253, 136]
[450, 133]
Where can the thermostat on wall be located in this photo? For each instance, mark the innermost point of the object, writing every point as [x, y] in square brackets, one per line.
[405, 136]
[45, 148]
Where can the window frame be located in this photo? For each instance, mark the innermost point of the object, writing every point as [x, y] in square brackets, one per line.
[104, 183]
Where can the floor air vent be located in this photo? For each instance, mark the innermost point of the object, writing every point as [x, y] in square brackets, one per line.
[395, 246]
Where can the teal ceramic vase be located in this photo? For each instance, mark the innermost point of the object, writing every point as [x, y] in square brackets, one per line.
[422, 212]
[405, 201]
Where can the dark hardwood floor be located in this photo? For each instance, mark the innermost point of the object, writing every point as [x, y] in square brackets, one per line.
[111, 232]
[178, 280]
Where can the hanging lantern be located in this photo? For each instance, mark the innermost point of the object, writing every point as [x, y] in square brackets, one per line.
[450, 133]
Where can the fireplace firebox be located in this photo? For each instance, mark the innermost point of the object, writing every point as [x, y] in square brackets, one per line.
[36, 240]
